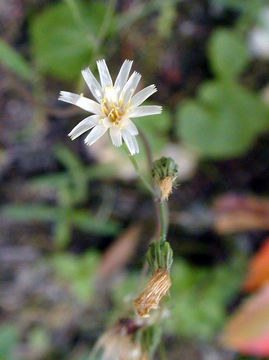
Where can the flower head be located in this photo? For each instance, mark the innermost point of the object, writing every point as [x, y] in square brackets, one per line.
[114, 107]
[155, 290]
[164, 172]
[117, 343]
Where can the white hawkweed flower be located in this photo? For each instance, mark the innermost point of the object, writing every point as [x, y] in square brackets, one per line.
[114, 107]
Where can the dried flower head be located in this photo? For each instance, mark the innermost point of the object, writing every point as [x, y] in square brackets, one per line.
[117, 343]
[115, 106]
[155, 290]
[164, 172]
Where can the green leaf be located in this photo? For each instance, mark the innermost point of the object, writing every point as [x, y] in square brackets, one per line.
[15, 62]
[41, 213]
[199, 297]
[62, 234]
[61, 46]
[39, 339]
[224, 121]
[8, 340]
[78, 271]
[78, 180]
[227, 53]
[85, 221]
[58, 180]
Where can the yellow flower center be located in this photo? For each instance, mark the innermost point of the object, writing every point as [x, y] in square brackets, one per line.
[112, 105]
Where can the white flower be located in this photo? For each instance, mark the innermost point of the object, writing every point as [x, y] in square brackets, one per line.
[115, 106]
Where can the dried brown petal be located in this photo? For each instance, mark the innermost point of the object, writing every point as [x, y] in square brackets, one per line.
[155, 290]
[166, 186]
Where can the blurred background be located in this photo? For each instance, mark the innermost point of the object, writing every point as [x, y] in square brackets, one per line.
[74, 221]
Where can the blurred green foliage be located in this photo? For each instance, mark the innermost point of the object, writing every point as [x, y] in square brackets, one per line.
[77, 272]
[224, 119]
[9, 336]
[156, 130]
[227, 53]
[63, 41]
[71, 191]
[199, 297]
[39, 339]
[15, 62]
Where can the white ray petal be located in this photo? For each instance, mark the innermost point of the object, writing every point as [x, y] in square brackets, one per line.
[123, 74]
[131, 142]
[105, 77]
[95, 134]
[92, 83]
[80, 101]
[145, 111]
[129, 87]
[84, 126]
[142, 95]
[115, 134]
[130, 127]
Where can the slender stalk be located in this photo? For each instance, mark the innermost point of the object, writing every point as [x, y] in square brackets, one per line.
[135, 165]
[162, 351]
[149, 157]
[163, 221]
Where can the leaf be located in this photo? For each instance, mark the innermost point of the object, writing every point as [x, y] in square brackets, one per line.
[224, 120]
[61, 46]
[62, 234]
[199, 297]
[247, 331]
[117, 255]
[15, 62]
[39, 339]
[78, 271]
[77, 175]
[166, 19]
[31, 212]
[60, 179]
[85, 221]
[258, 272]
[227, 53]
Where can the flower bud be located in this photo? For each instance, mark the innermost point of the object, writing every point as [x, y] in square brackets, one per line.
[159, 256]
[164, 172]
[155, 290]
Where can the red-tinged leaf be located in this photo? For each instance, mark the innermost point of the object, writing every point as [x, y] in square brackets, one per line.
[117, 255]
[235, 213]
[247, 330]
[258, 272]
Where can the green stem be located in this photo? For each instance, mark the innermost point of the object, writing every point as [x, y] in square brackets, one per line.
[162, 351]
[163, 221]
[135, 165]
